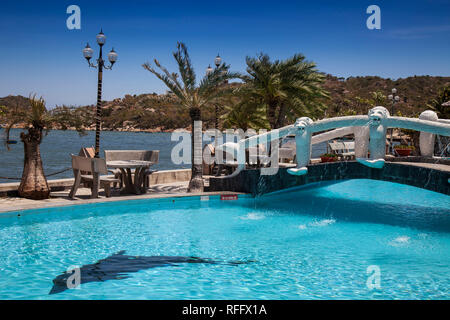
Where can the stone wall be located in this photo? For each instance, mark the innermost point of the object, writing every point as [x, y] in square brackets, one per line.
[250, 181]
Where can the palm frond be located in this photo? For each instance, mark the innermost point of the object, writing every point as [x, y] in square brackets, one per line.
[38, 109]
[185, 67]
[288, 87]
[169, 79]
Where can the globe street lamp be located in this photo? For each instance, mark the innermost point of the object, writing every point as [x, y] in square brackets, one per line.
[394, 99]
[217, 61]
[112, 57]
[209, 70]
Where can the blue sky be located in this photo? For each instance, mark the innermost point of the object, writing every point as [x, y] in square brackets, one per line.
[39, 54]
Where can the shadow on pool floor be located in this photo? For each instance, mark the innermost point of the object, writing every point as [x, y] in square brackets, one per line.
[119, 265]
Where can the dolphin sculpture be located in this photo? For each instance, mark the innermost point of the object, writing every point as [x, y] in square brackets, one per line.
[119, 265]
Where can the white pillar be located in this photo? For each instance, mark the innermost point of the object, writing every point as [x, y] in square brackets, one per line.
[361, 141]
[198, 136]
[427, 140]
[377, 143]
[377, 132]
[303, 141]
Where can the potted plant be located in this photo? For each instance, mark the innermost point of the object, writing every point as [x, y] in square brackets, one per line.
[328, 157]
[403, 150]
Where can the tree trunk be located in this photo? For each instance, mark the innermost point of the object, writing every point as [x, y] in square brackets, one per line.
[33, 184]
[415, 137]
[281, 116]
[271, 113]
[196, 182]
[216, 117]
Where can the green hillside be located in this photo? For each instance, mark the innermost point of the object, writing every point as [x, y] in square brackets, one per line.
[354, 95]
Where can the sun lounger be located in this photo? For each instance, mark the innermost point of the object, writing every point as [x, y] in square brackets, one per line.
[344, 149]
[257, 156]
[286, 155]
[87, 152]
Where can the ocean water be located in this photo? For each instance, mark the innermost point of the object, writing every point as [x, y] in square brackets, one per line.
[58, 145]
[352, 239]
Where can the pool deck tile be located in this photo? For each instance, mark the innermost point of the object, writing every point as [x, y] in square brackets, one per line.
[435, 166]
[61, 198]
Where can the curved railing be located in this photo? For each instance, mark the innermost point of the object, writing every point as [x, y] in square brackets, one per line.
[369, 130]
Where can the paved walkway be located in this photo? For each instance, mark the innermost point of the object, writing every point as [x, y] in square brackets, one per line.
[174, 189]
[435, 166]
[60, 198]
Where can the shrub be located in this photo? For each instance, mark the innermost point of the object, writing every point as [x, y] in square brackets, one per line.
[404, 147]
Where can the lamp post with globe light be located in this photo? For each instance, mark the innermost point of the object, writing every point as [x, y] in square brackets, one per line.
[112, 57]
[217, 62]
[209, 70]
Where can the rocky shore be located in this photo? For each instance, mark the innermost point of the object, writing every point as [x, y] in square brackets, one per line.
[122, 129]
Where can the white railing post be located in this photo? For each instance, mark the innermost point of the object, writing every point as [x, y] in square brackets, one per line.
[361, 141]
[303, 141]
[426, 140]
[377, 132]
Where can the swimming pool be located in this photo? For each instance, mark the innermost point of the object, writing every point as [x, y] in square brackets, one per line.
[321, 241]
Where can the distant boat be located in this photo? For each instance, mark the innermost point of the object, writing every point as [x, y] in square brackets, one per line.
[6, 136]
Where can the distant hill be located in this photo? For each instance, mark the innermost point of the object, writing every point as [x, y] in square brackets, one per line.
[12, 102]
[354, 95]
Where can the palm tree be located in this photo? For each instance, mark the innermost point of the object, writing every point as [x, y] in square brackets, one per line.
[34, 184]
[378, 98]
[287, 89]
[192, 96]
[439, 104]
[244, 113]
[38, 121]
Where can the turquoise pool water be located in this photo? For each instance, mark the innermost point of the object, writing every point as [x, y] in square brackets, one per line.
[314, 242]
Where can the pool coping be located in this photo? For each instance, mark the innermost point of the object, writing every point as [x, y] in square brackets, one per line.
[434, 177]
[39, 204]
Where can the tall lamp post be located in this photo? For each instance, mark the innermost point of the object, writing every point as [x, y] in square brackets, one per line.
[209, 70]
[112, 57]
[394, 99]
[217, 62]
